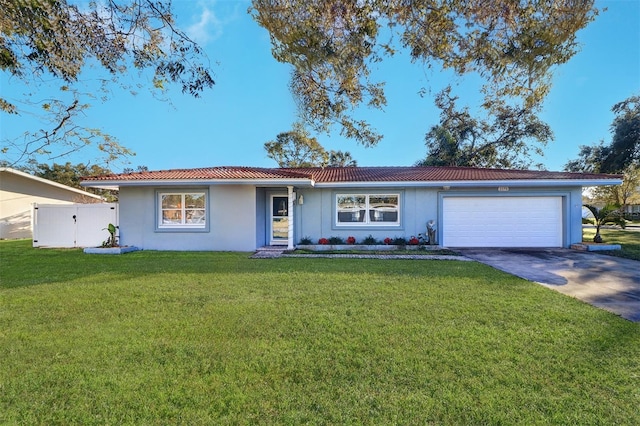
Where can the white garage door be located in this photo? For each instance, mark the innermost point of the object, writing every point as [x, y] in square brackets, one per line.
[502, 221]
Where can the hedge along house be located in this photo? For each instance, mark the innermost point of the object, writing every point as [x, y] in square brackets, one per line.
[245, 208]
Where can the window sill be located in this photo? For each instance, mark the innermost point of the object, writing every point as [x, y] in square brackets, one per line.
[185, 229]
[368, 227]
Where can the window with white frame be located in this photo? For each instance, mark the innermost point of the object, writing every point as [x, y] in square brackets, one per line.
[182, 209]
[367, 209]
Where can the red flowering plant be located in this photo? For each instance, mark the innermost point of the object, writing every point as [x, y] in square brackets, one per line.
[413, 241]
[351, 240]
[323, 241]
[388, 241]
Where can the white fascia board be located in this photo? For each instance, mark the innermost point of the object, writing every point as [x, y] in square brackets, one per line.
[199, 182]
[109, 187]
[474, 183]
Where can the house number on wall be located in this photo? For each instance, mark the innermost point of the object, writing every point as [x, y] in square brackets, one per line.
[503, 188]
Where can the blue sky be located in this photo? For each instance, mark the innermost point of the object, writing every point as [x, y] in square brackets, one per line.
[251, 103]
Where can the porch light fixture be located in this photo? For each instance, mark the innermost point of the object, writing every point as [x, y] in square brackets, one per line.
[300, 200]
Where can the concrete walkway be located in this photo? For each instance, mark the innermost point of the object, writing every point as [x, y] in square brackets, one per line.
[269, 252]
[604, 281]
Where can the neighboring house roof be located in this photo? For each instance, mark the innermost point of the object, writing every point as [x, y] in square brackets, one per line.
[347, 176]
[50, 183]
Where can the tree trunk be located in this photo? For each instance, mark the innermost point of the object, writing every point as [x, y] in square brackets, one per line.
[597, 238]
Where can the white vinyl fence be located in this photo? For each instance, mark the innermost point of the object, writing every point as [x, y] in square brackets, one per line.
[72, 225]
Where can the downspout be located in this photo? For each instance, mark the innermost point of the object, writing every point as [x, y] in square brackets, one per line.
[290, 218]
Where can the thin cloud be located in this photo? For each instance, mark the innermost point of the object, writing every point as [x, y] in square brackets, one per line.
[207, 27]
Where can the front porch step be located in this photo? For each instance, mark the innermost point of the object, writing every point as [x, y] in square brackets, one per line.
[268, 252]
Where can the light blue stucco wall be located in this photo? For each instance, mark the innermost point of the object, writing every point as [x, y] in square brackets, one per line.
[237, 215]
[315, 218]
[231, 220]
[573, 212]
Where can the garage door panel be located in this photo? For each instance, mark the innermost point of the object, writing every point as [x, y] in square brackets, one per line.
[502, 222]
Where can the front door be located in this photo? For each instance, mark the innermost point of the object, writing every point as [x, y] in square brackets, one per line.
[279, 220]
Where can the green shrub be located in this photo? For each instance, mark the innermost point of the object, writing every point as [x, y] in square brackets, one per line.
[399, 241]
[305, 241]
[370, 240]
[336, 241]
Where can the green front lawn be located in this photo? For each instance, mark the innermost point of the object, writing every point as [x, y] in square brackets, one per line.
[217, 338]
[629, 241]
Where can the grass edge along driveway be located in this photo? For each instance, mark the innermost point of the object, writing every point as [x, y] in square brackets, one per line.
[217, 338]
[628, 239]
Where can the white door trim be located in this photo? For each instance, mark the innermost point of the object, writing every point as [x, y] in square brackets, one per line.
[271, 216]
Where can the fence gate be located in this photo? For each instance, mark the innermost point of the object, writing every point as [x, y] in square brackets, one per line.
[72, 225]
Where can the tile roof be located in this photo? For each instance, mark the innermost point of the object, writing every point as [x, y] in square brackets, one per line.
[438, 174]
[349, 174]
[207, 173]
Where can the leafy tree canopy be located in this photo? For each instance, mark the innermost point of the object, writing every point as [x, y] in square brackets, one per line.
[628, 192]
[505, 140]
[621, 195]
[621, 155]
[334, 45]
[624, 149]
[70, 175]
[341, 159]
[296, 148]
[625, 144]
[136, 170]
[67, 174]
[589, 159]
[60, 39]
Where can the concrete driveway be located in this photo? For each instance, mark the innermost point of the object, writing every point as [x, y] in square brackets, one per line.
[607, 282]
